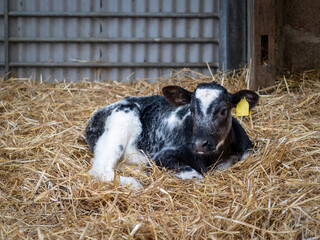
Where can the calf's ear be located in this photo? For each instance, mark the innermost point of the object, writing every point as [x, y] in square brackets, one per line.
[251, 97]
[176, 96]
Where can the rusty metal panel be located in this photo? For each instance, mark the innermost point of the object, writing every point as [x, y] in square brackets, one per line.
[111, 40]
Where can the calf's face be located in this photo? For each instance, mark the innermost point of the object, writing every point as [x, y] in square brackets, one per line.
[210, 107]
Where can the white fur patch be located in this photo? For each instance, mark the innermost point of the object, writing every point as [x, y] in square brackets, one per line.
[245, 155]
[117, 143]
[207, 96]
[173, 119]
[188, 175]
[109, 176]
[227, 163]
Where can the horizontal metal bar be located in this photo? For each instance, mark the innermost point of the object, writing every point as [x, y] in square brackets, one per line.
[112, 40]
[113, 14]
[109, 65]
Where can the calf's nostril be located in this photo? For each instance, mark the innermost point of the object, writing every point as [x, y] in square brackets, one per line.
[202, 145]
[205, 143]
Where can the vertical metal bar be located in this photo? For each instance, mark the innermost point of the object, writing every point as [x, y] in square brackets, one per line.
[232, 33]
[200, 32]
[244, 58]
[223, 31]
[250, 22]
[250, 42]
[6, 37]
[236, 33]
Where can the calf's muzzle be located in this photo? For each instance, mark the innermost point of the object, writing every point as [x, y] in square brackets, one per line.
[204, 145]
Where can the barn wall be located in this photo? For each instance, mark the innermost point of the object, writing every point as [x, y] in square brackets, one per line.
[301, 34]
[108, 39]
[294, 37]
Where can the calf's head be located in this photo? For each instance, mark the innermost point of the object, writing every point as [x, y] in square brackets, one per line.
[210, 107]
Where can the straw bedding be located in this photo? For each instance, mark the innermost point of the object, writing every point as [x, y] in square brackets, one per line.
[46, 193]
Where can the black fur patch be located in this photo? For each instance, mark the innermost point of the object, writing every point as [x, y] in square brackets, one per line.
[125, 107]
[96, 126]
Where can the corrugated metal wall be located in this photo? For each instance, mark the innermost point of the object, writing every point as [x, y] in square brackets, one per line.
[2, 38]
[107, 39]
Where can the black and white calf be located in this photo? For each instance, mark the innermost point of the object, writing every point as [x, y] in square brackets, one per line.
[183, 131]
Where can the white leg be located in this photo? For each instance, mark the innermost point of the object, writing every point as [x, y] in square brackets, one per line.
[224, 164]
[246, 155]
[120, 129]
[109, 176]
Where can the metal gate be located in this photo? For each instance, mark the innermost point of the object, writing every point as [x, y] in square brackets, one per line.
[107, 39]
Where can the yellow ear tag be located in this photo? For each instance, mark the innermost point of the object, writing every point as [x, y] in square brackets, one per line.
[242, 108]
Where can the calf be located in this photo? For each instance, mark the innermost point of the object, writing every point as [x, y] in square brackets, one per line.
[183, 131]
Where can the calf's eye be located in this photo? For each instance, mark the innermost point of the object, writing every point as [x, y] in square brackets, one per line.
[223, 112]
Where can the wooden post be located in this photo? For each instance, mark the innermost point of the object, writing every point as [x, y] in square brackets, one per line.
[261, 42]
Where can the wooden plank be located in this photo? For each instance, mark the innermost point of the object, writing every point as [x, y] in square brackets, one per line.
[263, 54]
